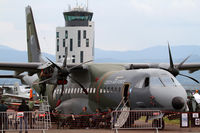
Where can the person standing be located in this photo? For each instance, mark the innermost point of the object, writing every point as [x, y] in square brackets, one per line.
[3, 116]
[24, 108]
[84, 118]
[31, 109]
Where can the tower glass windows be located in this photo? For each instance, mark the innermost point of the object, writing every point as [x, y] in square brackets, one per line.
[79, 38]
[63, 42]
[73, 16]
[73, 58]
[66, 34]
[87, 42]
[84, 34]
[57, 44]
[57, 34]
[71, 44]
[81, 56]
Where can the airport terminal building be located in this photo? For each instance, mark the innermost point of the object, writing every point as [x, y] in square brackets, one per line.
[76, 39]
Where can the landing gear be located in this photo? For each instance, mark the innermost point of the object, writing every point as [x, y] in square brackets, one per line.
[156, 123]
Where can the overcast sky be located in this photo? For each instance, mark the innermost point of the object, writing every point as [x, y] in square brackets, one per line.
[119, 24]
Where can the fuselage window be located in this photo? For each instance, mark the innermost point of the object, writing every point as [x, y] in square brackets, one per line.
[108, 89]
[100, 90]
[72, 90]
[104, 90]
[91, 90]
[88, 90]
[66, 90]
[69, 91]
[94, 90]
[146, 82]
[111, 90]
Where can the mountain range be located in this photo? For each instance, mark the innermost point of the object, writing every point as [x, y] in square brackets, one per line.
[153, 54]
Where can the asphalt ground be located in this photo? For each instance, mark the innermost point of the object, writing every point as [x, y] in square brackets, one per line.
[168, 129]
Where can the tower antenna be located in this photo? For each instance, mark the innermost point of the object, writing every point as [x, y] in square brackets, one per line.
[87, 5]
[69, 8]
[76, 3]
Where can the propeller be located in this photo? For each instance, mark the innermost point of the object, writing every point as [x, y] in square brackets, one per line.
[62, 74]
[174, 70]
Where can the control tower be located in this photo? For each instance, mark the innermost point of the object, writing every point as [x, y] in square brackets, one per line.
[76, 39]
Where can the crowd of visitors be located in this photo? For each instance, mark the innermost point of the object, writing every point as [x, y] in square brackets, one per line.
[85, 120]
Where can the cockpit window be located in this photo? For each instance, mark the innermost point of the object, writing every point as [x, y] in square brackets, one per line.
[168, 81]
[163, 81]
[142, 83]
[156, 82]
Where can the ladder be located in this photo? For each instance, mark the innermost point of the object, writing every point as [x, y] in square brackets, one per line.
[122, 114]
[45, 107]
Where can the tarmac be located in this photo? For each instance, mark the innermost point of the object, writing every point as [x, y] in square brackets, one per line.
[168, 129]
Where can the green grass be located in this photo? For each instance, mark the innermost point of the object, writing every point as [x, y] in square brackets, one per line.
[167, 121]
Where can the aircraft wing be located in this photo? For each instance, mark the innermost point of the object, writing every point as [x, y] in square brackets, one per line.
[16, 96]
[31, 68]
[191, 67]
[36, 67]
[20, 67]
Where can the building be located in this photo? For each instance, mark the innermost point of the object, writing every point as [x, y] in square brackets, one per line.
[76, 39]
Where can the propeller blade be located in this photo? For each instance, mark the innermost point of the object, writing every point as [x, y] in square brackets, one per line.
[189, 77]
[43, 81]
[80, 65]
[62, 90]
[183, 62]
[54, 64]
[79, 85]
[170, 57]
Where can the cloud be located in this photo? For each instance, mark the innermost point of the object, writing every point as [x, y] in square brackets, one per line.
[168, 9]
[121, 25]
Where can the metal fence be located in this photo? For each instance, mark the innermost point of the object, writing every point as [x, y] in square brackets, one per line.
[137, 119]
[13, 121]
[92, 121]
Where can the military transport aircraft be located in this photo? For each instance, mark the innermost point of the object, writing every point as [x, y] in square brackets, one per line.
[70, 87]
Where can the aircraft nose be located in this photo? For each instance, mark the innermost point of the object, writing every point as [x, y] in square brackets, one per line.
[178, 103]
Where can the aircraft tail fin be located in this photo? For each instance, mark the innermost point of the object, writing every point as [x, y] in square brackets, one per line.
[33, 47]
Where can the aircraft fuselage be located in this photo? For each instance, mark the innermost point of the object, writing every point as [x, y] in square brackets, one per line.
[106, 87]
